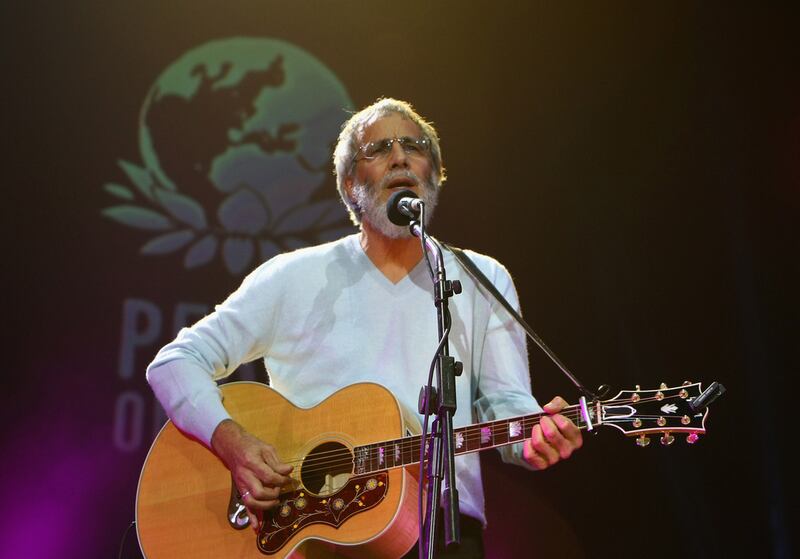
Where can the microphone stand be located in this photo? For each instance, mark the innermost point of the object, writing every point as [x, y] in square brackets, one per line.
[441, 457]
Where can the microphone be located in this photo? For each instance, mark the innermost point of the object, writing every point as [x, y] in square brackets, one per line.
[403, 207]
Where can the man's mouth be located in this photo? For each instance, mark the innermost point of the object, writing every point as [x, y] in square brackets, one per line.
[401, 182]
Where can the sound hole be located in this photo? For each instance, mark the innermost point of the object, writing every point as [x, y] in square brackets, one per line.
[327, 468]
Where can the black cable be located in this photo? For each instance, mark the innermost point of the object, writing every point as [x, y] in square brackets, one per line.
[124, 537]
[424, 435]
[422, 242]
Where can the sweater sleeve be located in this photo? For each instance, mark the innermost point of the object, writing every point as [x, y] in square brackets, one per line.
[504, 385]
[184, 372]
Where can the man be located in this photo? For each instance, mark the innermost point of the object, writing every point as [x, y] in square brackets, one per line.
[361, 309]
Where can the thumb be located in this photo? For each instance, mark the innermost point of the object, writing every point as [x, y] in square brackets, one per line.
[555, 405]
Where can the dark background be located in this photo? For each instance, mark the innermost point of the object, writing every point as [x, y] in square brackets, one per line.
[637, 168]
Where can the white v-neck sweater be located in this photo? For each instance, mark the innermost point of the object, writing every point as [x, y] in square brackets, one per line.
[325, 317]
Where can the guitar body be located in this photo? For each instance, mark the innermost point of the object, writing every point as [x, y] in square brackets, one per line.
[354, 489]
[185, 492]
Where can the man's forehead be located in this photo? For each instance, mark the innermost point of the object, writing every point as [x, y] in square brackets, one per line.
[390, 126]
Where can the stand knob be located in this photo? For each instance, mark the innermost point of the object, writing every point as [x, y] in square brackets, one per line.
[425, 396]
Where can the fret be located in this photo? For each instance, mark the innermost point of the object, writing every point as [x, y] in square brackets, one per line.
[472, 435]
[370, 458]
[528, 422]
[410, 450]
[500, 433]
[579, 422]
[389, 449]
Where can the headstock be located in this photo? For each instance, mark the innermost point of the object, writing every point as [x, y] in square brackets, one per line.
[681, 409]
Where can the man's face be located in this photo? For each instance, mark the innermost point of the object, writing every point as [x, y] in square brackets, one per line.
[374, 180]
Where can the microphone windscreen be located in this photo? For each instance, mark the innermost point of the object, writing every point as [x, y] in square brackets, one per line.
[393, 207]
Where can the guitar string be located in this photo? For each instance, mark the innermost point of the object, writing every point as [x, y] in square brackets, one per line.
[343, 457]
[405, 442]
[324, 461]
[504, 422]
[346, 459]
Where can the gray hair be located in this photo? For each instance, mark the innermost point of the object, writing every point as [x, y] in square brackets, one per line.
[353, 132]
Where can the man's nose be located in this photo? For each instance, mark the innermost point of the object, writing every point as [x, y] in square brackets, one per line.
[398, 156]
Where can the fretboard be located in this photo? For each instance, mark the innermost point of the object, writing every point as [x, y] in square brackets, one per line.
[405, 451]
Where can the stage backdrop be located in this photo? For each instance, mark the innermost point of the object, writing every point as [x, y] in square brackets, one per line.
[634, 167]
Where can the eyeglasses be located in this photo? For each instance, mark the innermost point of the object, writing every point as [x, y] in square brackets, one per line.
[379, 149]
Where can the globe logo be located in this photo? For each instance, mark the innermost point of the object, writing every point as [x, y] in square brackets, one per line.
[235, 139]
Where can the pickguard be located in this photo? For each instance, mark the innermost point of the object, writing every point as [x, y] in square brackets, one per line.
[299, 509]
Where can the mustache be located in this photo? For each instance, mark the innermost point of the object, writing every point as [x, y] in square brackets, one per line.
[403, 174]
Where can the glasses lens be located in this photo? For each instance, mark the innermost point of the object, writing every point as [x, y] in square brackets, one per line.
[381, 148]
[413, 145]
[378, 148]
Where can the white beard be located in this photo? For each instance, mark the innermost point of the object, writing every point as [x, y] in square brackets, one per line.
[368, 199]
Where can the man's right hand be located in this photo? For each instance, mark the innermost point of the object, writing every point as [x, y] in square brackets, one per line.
[256, 469]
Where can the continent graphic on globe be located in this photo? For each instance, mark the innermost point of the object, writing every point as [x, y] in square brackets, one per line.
[236, 138]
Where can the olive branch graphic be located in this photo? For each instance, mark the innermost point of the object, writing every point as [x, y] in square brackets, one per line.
[179, 222]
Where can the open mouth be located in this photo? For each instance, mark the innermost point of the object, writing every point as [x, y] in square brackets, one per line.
[401, 182]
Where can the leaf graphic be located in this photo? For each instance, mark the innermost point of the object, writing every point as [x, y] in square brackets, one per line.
[119, 191]
[243, 212]
[294, 242]
[304, 217]
[237, 254]
[334, 233]
[140, 177]
[170, 242]
[183, 208]
[336, 215]
[267, 249]
[141, 218]
[201, 252]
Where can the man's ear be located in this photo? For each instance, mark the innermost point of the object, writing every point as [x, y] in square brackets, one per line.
[348, 187]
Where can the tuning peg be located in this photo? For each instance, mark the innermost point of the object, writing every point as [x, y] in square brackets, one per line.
[667, 439]
[642, 441]
[603, 391]
[691, 438]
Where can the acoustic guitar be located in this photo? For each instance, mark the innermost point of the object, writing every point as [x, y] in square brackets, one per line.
[355, 479]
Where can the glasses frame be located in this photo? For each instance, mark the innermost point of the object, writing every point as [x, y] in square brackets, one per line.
[423, 143]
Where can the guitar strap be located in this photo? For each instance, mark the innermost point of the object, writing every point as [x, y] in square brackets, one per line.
[472, 269]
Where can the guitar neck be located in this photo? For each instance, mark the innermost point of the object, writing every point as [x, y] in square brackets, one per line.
[405, 451]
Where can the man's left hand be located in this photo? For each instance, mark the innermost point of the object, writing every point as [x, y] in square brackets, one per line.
[553, 439]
